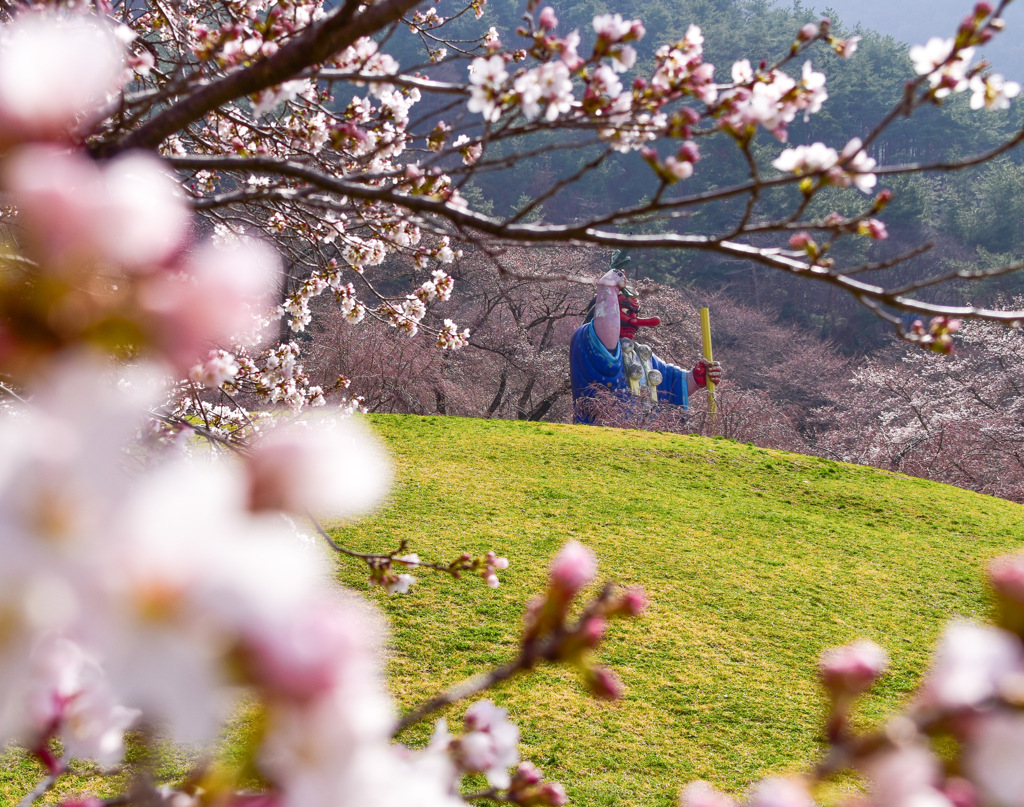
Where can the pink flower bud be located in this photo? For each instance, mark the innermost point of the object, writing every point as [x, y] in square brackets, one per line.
[801, 240]
[526, 774]
[547, 19]
[632, 602]
[807, 33]
[689, 152]
[572, 568]
[982, 9]
[852, 668]
[1006, 574]
[553, 794]
[593, 631]
[703, 794]
[873, 228]
[604, 684]
[960, 792]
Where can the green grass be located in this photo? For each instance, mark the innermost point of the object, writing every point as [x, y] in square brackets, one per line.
[754, 560]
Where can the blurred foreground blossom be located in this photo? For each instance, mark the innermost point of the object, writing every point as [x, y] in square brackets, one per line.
[55, 74]
[332, 467]
[126, 596]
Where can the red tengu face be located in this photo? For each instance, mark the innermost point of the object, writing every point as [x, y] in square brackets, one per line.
[629, 307]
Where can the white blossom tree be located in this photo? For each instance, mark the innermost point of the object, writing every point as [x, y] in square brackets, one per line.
[954, 419]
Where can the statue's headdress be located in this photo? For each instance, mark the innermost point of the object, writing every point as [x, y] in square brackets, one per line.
[629, 303]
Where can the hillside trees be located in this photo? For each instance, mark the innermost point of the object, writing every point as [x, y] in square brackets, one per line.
[148, 576]
[954, 419]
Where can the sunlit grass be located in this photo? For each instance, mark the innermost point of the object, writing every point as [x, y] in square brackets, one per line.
[754, 561]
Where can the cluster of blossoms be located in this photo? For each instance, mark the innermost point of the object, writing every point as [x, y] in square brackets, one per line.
[163, 269]
[852, 166]
[771, 99]
[633, 117]
[937, 336]
[125, 604]
[946, 63]
[548, 625]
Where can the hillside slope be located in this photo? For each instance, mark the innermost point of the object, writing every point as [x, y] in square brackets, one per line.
[754, 560]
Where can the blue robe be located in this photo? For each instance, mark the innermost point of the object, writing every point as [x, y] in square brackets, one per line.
[592, 365]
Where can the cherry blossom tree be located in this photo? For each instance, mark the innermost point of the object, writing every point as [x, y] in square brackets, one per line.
[954, 419]
[127, 603]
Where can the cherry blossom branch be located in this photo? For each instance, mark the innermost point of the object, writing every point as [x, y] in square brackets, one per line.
[550, 636]
[41, 789]
[316, 44]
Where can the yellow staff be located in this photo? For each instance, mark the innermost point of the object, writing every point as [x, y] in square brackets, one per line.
[705, 333]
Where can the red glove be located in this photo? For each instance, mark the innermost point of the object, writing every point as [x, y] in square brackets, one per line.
[700, 373]
[702, 369]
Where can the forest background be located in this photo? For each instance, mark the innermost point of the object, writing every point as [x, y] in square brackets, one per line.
[808, 368]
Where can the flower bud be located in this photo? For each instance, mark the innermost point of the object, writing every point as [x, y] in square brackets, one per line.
[803, 241]
[553, 794]
[807, 33]
[852, 668]
[631, 602]
[526, 774]
[1006, 575]
[603, 683]
[689, 152]
[704, 794]
[572, 568]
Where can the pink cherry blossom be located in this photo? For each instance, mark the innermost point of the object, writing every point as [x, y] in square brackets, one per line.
[992, 92]
[55, 73]
[215, 298]
[573, 567]
[992, 758]
[128, 214]
[487, 79]
[551, 84]
[852, 668]
[548, 19]
[704, 794]
[972, 662]
[807, 159]
[491, 744]
[906, 774]
[327, 466]
[779, 792]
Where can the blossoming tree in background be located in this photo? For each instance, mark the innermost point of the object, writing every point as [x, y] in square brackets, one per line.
[127, 600]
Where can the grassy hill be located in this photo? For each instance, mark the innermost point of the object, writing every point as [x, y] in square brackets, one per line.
[754, 560]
